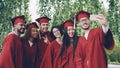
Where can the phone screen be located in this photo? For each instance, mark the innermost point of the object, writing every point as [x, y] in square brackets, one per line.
[93, 17]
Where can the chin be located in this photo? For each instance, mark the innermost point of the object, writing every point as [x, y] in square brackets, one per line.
[59, 36]
[34, 37]
[21, 32]
[71, 36]
[44, 30]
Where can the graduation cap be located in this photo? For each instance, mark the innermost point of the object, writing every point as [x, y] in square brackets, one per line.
[43, 20]
[18, 19]
[67, 23]
[32, 25]
[82, 14]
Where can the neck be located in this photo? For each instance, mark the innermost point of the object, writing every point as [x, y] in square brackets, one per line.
[16, 32]
[31, 39]
[42, 31]
[59, 40]
[71, 41]
[86, 31]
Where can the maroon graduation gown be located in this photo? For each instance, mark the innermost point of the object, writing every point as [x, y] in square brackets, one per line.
[90, 53]
[52, 60]
[11, 54]
[51, 55]
[42, 47]
[67, 60]
[29, 54]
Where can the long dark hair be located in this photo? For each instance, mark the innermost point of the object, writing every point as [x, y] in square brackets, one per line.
[66, 43]
[51, 32]
[27, 34]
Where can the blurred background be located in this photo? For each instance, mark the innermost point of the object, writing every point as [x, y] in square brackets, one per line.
[59, 11]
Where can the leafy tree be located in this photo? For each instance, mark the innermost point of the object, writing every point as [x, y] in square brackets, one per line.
[62, 10]
[9, 9]
[114, 18]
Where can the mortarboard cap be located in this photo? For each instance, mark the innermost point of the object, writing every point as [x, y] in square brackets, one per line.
[67, 23]
[32, 25]
[18, 19]
[82, 14]
[43, 20]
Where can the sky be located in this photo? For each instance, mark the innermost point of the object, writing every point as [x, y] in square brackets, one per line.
[33, 9]
[33, 5]
[105, 4]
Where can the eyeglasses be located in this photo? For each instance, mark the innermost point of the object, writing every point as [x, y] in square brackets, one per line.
[56, 31]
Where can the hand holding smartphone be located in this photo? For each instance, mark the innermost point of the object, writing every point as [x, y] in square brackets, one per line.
[100, 18]
[94, 17]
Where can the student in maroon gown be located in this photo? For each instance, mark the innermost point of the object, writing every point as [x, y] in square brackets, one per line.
[29, 43]
[66, 56]
[90, 52]
[53, 49]
[11, 54]
[44, 36]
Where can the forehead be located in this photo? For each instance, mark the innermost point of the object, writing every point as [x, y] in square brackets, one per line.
[84, 18]
[70, 27]
[20, 23]
[54, 29]
[44, 24]
[33, 28]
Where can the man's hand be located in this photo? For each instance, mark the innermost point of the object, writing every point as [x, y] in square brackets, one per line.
[102, 20]
[46, 39]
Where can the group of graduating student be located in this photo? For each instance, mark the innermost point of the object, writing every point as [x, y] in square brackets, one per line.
[59, 48]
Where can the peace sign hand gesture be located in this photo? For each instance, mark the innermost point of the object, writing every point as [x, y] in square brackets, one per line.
[46, 40]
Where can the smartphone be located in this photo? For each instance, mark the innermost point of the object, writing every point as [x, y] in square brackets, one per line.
[94, 17]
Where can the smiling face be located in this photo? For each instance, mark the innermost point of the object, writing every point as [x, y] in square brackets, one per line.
[34, 32]
[84, 23]
[56, 32]
[71, 31]
[44, 27]
[20, 27]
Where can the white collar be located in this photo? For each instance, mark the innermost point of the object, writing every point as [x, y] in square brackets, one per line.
[86, 34]
[14, 32]
[31, 44]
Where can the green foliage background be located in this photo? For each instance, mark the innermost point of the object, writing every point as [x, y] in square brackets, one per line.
[61, 10]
